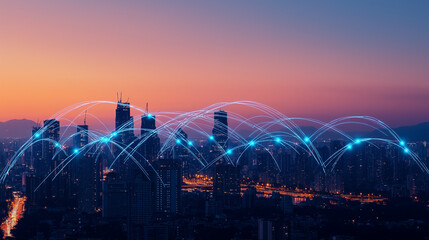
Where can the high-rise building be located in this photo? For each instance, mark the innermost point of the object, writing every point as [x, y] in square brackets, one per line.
[85, 172]
[31, 182]
[226, 186]
[151, 144]
[45, 161]
[220, 129]
[140, 204]
[167, 185]
[180, 150]
[115, 198]
[124, 126]
[36, 148]
[124, 122]
[81, 137]
[51, 131]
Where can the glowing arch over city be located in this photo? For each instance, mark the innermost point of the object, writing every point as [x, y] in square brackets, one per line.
[268, 128]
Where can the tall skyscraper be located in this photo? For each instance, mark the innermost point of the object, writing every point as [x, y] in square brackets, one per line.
[51, 131]
[81, 137]
[220, 129]
[44, 163]
[124, 122]
[125, 135]
[151, 144]
[36, 148]
[85, 172]
[180, 150]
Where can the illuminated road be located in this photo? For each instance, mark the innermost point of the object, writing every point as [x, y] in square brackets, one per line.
[203, 183]
[16, 210]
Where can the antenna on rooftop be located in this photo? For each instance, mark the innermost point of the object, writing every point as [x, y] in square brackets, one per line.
[84, 120]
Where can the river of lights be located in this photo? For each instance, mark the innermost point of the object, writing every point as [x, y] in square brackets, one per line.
[267, 127]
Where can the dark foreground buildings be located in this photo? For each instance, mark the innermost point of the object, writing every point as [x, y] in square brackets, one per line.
[375, 191]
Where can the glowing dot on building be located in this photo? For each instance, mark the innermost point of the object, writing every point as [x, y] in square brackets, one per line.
[252, 143]
[349, 146]
[105, 139]
[149, 115]
[211, 137]
[358, 141]
[178, 141]
[278, 139]
[57, 144]
[306, 139]
[76, 151]
[190, 143]
[402, 143]
[114, 134]
[36, 135]
[406, 150]
[229, 151]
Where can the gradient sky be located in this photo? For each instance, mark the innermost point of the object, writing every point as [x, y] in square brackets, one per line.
[320, 59]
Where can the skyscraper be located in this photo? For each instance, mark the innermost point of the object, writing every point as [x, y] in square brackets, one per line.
[151, 144]
[81, 137]
[51, 131]
[86, 172]
[125, 135]
[115, 198]
[124, 122]
[180, 151]
[36, 148]
[140, 204]
[220, 129]
[168, 196]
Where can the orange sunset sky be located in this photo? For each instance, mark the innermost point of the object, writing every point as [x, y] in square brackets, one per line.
[320, 60]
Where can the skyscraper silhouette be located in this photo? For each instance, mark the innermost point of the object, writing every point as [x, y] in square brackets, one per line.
[124, 122]
[151, 144]
[85, 172]
[220, 129]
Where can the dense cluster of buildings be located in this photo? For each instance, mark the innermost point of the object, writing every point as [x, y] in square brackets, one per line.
[151, 204]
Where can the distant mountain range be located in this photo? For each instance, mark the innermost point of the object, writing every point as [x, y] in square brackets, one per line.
[21, 128]
[16, 128]
[419, 132]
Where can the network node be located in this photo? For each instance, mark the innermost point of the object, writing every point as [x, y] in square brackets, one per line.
[357, 141]
[211, 137]
[76, 151]
[306, 139]
[278, 140]
[349, 146]
[229, 151]
[252, 143]
[57, 144]
[402, 143]
[149, 115]
[37, 135]
[114, 134]
[406, 150]
[178, 141]
[190, 143]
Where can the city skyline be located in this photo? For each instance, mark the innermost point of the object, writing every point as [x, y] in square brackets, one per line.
[213, 120]
[320, 60]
